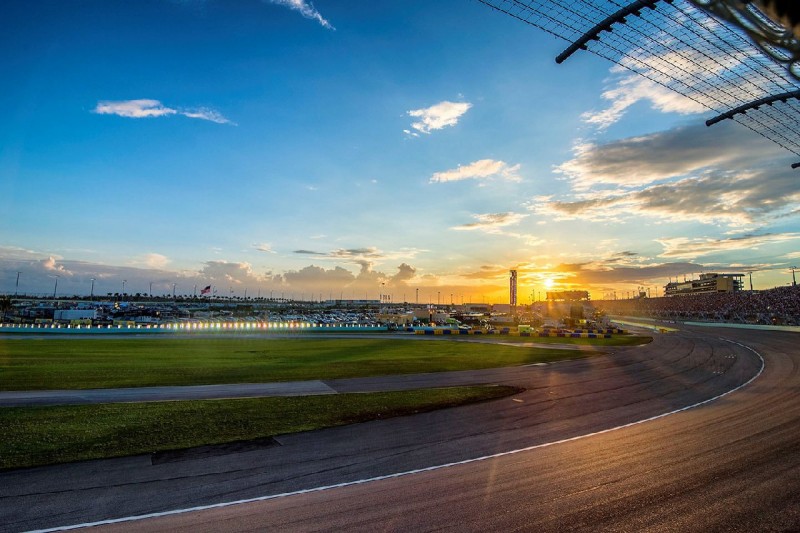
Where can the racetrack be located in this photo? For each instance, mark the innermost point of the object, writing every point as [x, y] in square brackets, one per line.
[733, 463]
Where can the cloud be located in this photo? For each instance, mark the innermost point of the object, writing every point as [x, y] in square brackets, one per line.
[145, 108]
[264, 247]
[51, 264]
[347, 253]
[404, 273]
[16, 253]
[482, 169]
[366, 258]
[134, 109]
[490, 222]
[689, 248]
[492, 272]
[205, 113]
[231, 273]
[688, 70]
[722, 177]
[153, 260]
[632, 88]
[317, 278]
[74, 277]
[636, 161]
[437, 116]
[306, 9]
[733, 199]
[369, 252]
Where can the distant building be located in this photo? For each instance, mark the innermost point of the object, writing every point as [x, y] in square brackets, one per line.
[75, 314]
[567, 296]
[708, 283]
[503, 308]
[477, 308]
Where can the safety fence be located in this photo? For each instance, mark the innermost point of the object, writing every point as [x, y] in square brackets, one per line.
[585, 334]
[189, 327]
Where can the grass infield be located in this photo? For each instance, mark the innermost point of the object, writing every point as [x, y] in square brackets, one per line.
[45, 435]
[72, 363]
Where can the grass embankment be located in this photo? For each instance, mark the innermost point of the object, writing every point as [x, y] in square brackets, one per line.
[39, 364]
[45, 435]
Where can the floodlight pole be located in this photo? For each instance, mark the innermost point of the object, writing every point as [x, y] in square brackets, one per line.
[794, 282]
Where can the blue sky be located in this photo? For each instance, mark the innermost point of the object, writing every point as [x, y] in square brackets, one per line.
[359, 148]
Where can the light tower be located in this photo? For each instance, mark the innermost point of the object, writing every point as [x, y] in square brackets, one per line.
[513, 289]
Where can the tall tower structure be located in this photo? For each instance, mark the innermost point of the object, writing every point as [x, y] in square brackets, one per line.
[513, 288]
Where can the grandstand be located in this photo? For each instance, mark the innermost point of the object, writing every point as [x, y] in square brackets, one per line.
[567, 296]
[778, 306]
[707, 283]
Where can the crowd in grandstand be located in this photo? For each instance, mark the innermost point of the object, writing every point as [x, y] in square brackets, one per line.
[780, 305]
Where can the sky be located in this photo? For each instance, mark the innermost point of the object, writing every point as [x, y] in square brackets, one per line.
[410, 148]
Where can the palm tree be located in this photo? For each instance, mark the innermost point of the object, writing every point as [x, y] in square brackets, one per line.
[5, 305]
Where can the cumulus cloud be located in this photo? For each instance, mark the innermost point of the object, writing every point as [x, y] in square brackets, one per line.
[404, 273]
[684, 247]
[50, 264]
[306, 9]
[437, 116]
[146, 108]
[317, 278]
[37, 275]
[637, 161]
[232, 273]
[153, 260]
[490, 222]
[722, 177]
[481, 169]
[718, 198]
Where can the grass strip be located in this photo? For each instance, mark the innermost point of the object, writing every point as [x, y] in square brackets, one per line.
[80, 363]
[35, 436]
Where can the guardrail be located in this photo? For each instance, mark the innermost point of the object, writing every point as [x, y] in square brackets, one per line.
[585, 333]
[189, 327]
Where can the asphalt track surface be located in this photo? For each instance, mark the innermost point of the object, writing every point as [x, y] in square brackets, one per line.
[567, 454]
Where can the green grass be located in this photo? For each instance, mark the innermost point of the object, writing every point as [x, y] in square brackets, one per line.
[45, 435]
[38, 364]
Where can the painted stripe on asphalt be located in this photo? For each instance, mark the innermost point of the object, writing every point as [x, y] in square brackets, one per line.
[409, 472]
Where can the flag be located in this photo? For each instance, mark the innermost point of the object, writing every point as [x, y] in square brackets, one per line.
[206, 290]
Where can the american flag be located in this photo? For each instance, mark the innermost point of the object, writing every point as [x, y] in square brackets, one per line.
[206, 290]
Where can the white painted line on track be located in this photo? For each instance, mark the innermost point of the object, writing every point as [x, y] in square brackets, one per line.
[409, 472]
